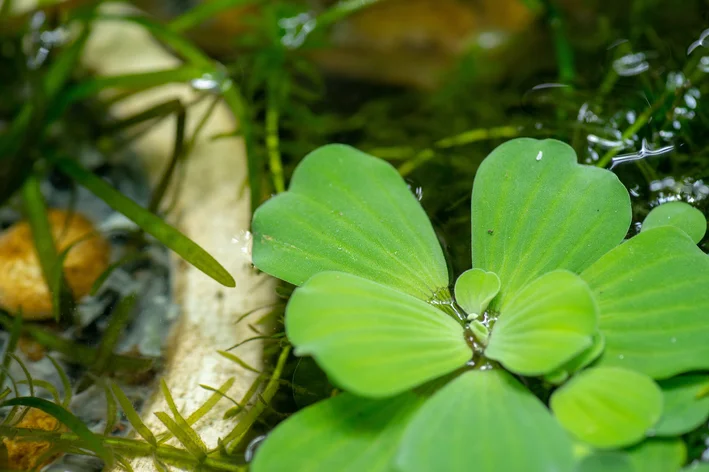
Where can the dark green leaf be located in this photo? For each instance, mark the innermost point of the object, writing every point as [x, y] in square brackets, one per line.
[606, 461]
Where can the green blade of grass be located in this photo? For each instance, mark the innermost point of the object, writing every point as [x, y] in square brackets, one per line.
[148, 222]
[203, 12]
[48, 386]
[36, 213]
[66, 384]
[67, 419]
[179, 427]
[133, 416]
[25, 371]
[237, 359]
[15, 332]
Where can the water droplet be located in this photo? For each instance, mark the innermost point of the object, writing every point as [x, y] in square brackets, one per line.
[253, 445]
[244, 241]
[703, 41]
[673, 340]
[631, 64]
[621, 356]
[644, 152]
[213, 83]
[539, 156]
[296, 28]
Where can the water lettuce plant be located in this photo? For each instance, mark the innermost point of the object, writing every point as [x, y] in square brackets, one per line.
[563, 348]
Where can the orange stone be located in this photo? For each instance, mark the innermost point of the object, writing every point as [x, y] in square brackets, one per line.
[23, 454]
[22, 284]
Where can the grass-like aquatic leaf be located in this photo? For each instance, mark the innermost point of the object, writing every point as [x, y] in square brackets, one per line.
[148, 222]
[484, 420]
[654, 303]
[350, 212]
[370, 339]
[684, 409]
[679, 214]
[474, 290]
[67, 419]
[534, 209]
[133, 416]
[345, 434]
[544, 325]
[608, 407]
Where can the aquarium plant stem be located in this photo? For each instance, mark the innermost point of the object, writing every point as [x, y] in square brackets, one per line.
[272, 139]
[234, 438]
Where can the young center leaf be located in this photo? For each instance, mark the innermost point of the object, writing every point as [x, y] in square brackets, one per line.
[348, 211]
[535, 209]
[548, 322]
[474, 290]
[679, 214]
[484, 420]
[653, 303]
[370, 339]
[608, 407]
[686, 404]
[345, 433]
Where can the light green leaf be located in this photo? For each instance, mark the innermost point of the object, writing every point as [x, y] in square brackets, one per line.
[487, 421]
[371, 339]
[547, 323]
[653, 303]
[345, 434]
[684, 407]
[697, 467]
[680, 215]
[606, 461]
[658, 455]
[608, 407]
[579, 361]
[474, 290]
[348, 211]
[536, 210]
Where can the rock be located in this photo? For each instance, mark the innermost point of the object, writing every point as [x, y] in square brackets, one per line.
[22, 284]
[24, 455]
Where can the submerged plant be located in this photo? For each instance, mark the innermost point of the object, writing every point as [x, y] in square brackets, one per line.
[563, 348]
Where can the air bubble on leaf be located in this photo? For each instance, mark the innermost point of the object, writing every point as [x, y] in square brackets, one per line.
[539, 156]
[215, 83]
[631, 64]
[704, 64]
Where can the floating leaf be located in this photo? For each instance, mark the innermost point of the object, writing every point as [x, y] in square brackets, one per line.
[697, 467]
[370, 339]
[474, 290]
[579, 361]
[680, 215]
[345, 434]
[653, 303]
[606, 461]
[608, 406]
[548, 322]
[484, 420]
[658, 455]
[684, 407]
[350, 212]
[535, 210]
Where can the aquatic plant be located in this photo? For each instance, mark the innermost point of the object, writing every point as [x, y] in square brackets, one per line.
[565, 347]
